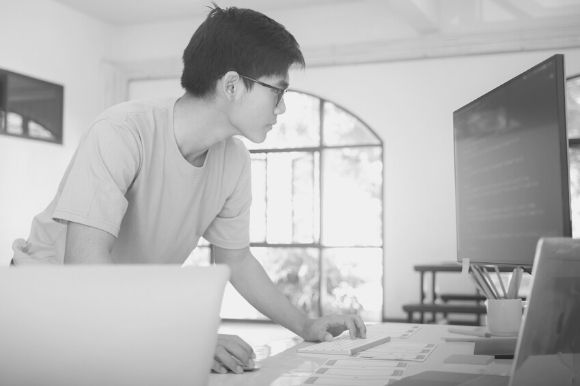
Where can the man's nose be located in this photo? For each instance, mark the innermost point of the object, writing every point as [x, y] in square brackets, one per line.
[281, 108]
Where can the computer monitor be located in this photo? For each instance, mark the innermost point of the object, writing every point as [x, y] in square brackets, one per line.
[511, 168]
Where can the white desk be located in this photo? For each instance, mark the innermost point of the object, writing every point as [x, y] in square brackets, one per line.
[291, 368]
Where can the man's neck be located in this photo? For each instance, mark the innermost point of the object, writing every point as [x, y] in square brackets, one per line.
[198, 124]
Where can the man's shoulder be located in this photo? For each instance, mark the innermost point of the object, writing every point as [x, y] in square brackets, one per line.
[236, 150]
[138, 118]
[236, 145]
[145, 108]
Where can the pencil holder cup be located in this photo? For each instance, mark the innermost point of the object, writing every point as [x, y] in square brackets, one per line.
[504, 316]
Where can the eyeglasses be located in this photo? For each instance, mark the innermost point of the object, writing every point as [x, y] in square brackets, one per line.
[279, 91]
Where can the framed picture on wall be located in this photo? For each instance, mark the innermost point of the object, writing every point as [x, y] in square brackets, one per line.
[31, 108]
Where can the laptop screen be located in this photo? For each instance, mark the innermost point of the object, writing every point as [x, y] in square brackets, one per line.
[549, 341]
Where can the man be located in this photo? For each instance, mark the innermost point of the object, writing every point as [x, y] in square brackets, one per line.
[150, 177]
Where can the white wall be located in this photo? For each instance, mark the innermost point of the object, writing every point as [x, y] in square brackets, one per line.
[46, 40]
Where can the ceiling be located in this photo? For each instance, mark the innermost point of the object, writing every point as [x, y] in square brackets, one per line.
[424, 15]
[380, 30]
[127, 12]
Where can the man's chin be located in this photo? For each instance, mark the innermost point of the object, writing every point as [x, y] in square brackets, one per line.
[258, 140]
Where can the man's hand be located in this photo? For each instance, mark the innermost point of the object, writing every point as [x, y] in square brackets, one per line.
[232, 354]
[327, 327]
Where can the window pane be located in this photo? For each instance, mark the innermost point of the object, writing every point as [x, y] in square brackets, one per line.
[2, 120]
[353, 282]
[574, 160]
[36, 130]
[293, 270]
[352, 202]
[342, 128]
[573, 107]
[295, 273]
[292, 197]
[15, 124]
[299, 126]
[234, 306]
[258, 209]
[305, 198]
[199, 257]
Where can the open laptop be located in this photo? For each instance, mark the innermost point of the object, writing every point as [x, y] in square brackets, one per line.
[109, 325]
[548, 348]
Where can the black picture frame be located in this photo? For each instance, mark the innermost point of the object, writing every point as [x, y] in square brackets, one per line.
[31, 108]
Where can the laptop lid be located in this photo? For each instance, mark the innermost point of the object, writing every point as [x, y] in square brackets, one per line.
[549, 342]
[109, 325]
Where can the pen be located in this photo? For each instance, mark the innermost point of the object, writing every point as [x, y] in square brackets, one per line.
[479, 286]
[500, 282]
[519, 275]
[487, 278]
[488, 291]
[514, 283]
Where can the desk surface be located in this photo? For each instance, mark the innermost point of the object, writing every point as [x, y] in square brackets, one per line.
[292, 368]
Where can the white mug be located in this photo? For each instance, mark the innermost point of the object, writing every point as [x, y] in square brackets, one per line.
[504, 316]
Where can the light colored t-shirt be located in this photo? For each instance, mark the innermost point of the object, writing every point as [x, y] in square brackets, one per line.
[129, 178]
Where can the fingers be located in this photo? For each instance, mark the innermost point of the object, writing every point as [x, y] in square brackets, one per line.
[232, 354]
[353, 323]
[338, 324]
[356, 327]
[349, 323]
[227, 361]
[326, 327]
[239, 349]
[361, 327]
[245, 346]
[20, 245]
[218, 368]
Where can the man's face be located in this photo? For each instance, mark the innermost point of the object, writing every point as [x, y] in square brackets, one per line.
[260, 106]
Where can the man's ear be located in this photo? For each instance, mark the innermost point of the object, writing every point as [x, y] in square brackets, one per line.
[231, 85]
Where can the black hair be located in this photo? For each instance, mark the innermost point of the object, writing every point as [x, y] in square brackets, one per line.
[237, 39]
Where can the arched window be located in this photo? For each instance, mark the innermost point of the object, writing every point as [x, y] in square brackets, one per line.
[573, 126]
[317, 211]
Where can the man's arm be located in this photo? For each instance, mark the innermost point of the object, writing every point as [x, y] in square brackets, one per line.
[87, 245]
[250, 279]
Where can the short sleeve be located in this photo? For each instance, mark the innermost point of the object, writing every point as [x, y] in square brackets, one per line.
[231, 228]
[93, 189]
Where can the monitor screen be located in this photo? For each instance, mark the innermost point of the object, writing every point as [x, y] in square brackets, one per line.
[511, 168]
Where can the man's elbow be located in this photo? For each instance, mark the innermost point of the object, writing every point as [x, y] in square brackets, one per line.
[87, 258]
